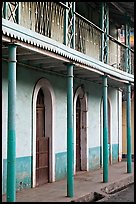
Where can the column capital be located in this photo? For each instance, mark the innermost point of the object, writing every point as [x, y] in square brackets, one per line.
[69, 63]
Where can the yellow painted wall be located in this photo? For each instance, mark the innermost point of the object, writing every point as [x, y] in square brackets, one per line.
[124, 139]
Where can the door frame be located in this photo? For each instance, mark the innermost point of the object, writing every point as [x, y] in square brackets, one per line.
[84, 148]
[46, 87]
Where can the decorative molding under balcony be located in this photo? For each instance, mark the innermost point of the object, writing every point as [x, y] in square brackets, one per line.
[23, 35]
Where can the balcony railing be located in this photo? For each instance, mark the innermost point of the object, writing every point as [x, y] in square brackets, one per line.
[47, 18]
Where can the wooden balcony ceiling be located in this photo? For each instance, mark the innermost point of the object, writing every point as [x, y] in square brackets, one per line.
[48, 64]
[119, 11]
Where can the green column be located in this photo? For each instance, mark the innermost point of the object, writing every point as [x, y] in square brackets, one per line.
[70, 135]
[105, 131]
[129, 168]
[11, 140]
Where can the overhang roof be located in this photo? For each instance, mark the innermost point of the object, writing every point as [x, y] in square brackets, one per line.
[118, 11]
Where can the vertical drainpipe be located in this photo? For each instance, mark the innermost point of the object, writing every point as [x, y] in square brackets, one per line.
[105, 130]
[11, 140]
[129, 167]
[70, 133]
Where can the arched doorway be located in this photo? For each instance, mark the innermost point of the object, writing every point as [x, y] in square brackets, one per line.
[42, 143]
[80, 131]
[43, 160]
[78, 134]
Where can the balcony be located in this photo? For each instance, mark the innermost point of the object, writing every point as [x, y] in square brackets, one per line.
[48, 19]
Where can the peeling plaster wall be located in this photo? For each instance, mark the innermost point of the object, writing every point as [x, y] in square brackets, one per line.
[26, 80]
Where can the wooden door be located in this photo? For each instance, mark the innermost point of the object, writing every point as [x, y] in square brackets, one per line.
[42, 143]
[78, 143]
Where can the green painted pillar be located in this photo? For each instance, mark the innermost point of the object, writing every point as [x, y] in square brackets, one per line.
[129, 167]
[11, 140]
[70, 133]
[105, 131]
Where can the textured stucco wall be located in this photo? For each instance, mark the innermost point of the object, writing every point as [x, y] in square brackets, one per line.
[26, 80]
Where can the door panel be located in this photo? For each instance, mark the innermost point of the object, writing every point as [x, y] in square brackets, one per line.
[42, 161]
[42, 144]
[78, 145]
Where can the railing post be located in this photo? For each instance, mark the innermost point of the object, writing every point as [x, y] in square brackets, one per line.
[102, 27]
[71, 25]
[5, 9]
[18, 12]
[129, 159]
[70, 132]
[66, 25]
[105, 130]
[127, 42]
[11, 140]
[104, 24]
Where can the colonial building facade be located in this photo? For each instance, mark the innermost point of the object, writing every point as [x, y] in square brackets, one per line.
[63, 71]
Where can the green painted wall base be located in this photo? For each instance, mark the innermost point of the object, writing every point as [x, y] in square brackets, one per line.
[23, 173]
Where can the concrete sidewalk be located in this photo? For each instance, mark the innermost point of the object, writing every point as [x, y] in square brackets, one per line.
[85, 184]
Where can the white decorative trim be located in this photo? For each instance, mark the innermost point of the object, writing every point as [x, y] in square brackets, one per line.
[45, 85]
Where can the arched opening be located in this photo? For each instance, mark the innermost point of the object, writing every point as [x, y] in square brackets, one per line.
[78, 134]
[42, 142]
[80, 131]
[43, 160]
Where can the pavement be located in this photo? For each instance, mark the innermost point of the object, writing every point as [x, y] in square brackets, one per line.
[88, 186]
